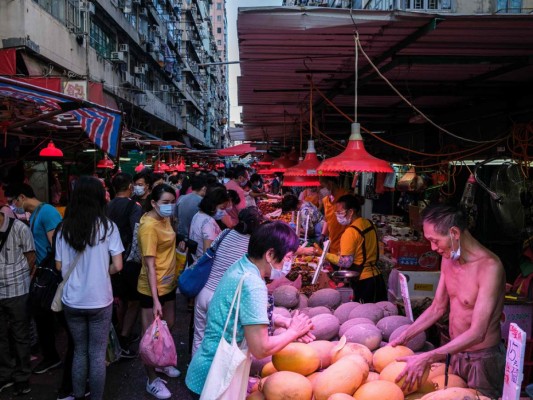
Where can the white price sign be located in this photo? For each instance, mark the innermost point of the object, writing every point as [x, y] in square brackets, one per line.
[405, 296]
[514, 363]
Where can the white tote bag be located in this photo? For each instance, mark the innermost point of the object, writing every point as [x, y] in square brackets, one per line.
[228, 376]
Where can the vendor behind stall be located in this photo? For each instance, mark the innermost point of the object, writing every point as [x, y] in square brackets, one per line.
[472, 285]
[358, 251]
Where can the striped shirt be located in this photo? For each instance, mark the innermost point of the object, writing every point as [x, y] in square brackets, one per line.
[14, 268]
[230, 250]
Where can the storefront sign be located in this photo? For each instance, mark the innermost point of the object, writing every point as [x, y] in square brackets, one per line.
[77, 89]
[514, 363]
[404, 288]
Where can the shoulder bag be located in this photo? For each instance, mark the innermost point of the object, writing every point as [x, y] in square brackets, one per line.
[57, 304]
[227, 378]
[193, 279]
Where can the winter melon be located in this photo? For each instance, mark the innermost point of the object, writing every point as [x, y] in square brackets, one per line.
[386, 355]
[346, 349]
[286, 296]
[325, 326]
[389, 324]
[415, 343]
[342, 312]
[330, 298]
[364, 334]
[352, 322]
[323, 347]
[368, 310]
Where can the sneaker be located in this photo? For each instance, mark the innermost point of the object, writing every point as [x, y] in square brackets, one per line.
[171, 372]
[22, 388]
[158, 389]
[63, 394]
[5, 384]
[46, 365]
[127, 353]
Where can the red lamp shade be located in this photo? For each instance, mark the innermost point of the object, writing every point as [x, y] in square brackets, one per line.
[282, 164]
[105, 163]
[308, 167]
[301, 181]
[160, 167]
[293, 155]
[220, 165]
[181, 166]
[195, 165]
[139, 167]
[354, 158]
[51, 151]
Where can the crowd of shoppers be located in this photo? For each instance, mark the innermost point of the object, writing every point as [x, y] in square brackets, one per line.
[108, 288]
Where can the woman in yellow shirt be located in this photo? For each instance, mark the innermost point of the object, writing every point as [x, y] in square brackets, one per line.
[358, 251]
[158, 278]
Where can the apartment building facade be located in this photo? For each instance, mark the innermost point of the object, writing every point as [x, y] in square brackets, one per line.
[455, 6]
[146, 58]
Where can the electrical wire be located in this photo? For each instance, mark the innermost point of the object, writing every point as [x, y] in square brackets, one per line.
[378, 72]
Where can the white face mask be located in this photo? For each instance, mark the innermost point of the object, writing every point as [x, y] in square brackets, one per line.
[455, 254]
[275, 273]
[344, 220]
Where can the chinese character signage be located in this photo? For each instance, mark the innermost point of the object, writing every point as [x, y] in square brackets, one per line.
[405, 295]
[77, 89]
[514, 363]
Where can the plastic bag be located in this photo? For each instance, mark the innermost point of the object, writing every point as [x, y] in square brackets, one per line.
[113, 349]
[157, 348]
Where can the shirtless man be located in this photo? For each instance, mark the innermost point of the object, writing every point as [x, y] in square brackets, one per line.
[472, 284]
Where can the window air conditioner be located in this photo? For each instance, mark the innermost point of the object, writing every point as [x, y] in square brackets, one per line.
[139, 70]
[123, 47]
[163, 88]
[118, 56]
[145, 66]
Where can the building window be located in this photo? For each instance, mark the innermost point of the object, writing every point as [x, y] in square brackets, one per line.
[509, 6]
[219, 5]
[427, 4]
[219, 42]
[219, 18]
[102, 42]
[219, 30]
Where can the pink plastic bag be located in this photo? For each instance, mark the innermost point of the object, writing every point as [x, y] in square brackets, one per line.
[157, 348]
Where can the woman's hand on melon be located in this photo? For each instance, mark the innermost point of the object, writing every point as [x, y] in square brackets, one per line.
[300, 324]
[307, 338]
[413, 371]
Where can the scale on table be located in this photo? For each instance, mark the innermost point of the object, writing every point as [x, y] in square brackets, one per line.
[320, 263]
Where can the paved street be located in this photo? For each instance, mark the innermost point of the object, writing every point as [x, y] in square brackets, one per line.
[126, 379]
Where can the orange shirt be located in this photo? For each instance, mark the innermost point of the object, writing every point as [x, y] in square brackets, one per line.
[335, 229]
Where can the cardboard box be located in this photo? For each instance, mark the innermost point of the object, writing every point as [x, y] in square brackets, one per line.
[414, 255]
[518, 312]
[419, 283]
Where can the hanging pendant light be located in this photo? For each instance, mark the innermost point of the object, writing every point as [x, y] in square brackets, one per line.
[139, 167]
[51, 151]
[305, 173]
[355, 158]
[105, 163]
[181, 166]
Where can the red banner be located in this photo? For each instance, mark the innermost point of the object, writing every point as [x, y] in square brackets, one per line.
[8, 62]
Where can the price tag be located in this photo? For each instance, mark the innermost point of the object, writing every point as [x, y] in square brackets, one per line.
[514, 363]
[320, 262]
[405, 296]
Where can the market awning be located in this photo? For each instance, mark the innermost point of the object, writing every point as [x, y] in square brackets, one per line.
[23, 104]
[471, 73]
[237, 150]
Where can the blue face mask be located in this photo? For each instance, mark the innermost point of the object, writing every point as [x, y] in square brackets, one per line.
[165, 210]
[18, 210]
[219, 214]
[138, 190]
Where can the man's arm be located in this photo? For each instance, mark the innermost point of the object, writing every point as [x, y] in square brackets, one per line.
[50, 236]
[30, 257]
[429, 317]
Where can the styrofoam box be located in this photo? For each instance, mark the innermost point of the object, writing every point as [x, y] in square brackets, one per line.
[519, 313]
[419, 283]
